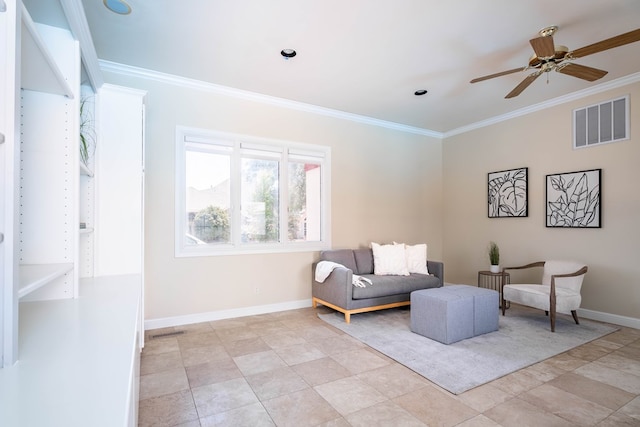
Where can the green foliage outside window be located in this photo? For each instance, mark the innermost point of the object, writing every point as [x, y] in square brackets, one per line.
[212, 224]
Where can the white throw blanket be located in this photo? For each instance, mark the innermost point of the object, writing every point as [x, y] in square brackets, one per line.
[324, 269]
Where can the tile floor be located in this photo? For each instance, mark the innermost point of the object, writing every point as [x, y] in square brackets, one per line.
[292, 369]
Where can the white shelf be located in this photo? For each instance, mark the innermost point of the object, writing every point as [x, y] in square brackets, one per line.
[39, 70]
[35, 276]
[87, 230]
[78, 358]
[84, 170]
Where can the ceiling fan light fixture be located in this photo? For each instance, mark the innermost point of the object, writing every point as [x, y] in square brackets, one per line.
[548, 31]
[288, 53]
[420, 92]
[120, 7]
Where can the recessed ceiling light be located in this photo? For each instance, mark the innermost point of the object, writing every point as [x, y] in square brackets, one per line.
[420, 92]
[288, 53]
[118, 6]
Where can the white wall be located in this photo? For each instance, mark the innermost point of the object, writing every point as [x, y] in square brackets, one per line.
[387, 185]
[393, 185]
[541, 141]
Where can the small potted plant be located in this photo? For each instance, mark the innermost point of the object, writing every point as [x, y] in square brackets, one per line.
[494, 257]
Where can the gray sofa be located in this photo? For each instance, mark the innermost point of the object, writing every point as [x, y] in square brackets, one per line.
[338, 292]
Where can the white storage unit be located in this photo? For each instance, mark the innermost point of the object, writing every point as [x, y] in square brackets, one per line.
[119, 186]
[79, 359]
[42, 247]
[70, 340]
[9, 179]
[49, 178]
[119, 181]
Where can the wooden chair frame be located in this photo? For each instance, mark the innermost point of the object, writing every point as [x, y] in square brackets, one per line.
[552, 291]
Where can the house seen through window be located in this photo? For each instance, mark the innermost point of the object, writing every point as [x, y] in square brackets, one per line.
[239, 194]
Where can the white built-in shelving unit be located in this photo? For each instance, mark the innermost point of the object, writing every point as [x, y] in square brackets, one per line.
[40, 71]
[46, 169]
[62, 321]
[86, 244]
[35, 276]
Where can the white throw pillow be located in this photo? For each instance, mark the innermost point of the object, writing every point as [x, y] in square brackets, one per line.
[417, 258]
[389, 260]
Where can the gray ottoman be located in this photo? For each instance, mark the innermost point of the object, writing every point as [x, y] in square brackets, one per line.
[454, 313]
[485, 314]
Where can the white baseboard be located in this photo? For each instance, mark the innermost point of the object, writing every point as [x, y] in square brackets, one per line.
[224, 314]
[166, 322]
[630, 322]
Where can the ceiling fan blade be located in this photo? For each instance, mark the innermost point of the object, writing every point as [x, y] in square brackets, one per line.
[582, 72]
[502, 73]
[621, 40]
[523, 85]
[543, 47]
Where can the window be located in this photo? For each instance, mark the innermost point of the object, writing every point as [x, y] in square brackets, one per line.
[241, 194]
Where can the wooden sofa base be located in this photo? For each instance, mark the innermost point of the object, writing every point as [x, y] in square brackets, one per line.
[347, 313]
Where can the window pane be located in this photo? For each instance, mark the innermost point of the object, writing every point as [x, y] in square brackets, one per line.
[260, 201]
[208, 198]
[304, 202]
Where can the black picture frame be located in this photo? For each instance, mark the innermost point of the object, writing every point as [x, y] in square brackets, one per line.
[508, 193]
[573, 199]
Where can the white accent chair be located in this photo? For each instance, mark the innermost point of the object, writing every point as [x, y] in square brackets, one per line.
[558, 292]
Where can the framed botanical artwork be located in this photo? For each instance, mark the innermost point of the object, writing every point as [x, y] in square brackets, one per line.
[508, 193]
[573, 199]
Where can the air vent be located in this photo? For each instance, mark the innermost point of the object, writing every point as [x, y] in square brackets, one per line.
[166, 334]
[601, 123]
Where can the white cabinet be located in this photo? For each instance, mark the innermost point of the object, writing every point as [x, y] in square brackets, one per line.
[62, 330]
[79, 359]
[119, 185]
[40, 172]
[9, 179]
[48, 210]
[119, 181]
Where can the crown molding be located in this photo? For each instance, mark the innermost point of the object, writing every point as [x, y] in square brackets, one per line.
[117, 68]
[114, 67]
[613, 84]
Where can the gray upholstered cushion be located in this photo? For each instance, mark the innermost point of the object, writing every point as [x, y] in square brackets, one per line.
[364, 260]
[394, 285]
[341, 256]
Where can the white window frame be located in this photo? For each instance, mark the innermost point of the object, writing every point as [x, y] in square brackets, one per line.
[236, 144]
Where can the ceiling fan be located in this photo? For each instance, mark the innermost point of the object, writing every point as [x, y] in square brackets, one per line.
[549, 57]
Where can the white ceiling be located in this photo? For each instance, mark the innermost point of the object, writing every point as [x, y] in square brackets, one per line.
[367, 57]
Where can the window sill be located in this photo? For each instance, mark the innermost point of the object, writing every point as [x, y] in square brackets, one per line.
[200, 251]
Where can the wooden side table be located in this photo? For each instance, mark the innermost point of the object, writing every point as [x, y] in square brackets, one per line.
[489, 280]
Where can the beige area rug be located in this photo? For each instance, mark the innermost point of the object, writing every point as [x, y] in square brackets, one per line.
[523, 338]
